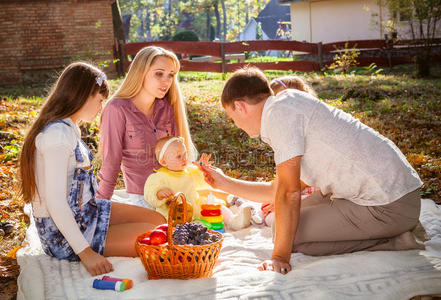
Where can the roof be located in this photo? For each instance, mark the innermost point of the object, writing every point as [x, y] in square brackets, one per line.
[250, 30]
[270, 15]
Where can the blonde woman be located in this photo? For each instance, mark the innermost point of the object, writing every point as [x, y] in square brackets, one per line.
[147, 107]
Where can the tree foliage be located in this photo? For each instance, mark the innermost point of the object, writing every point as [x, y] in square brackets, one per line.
[420, 21]
[161, 19]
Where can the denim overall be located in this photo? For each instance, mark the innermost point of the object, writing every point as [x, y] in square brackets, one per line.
[91, 214]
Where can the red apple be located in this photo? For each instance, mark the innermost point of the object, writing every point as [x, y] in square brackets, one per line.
[158, 237]
[181, 259]
[162, 227]
[145, 241]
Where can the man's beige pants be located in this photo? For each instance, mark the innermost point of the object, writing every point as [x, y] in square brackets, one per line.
[338, 226]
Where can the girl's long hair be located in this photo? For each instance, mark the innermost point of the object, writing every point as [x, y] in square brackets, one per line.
[134, 79]
[72, 89]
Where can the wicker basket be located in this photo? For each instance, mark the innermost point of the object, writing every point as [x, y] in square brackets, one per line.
[178, 261]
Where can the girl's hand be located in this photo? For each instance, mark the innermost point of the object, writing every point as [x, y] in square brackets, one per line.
[95, 263]
[164, 194]
[275, 264]
[213, 176]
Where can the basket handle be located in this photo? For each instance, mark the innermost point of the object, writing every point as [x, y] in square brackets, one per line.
[172, 212]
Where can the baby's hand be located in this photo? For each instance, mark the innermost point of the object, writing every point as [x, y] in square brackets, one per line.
[204, 160]
[164, 193]
[267, 208]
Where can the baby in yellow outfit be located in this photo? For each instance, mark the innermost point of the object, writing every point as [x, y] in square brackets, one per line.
[176, 175]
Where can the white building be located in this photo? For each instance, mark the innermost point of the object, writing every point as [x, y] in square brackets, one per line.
[250, 32]
[340, 20]
[267, 24]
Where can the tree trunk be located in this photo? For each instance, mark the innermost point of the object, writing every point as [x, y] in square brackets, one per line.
[208, 22]
[246, 14]
[118, 28]
[147, 25]
[126, 25]
[141, 27]
[224, 27]
[218, 24]
[118, 31]
[169, 23]
[423, 63]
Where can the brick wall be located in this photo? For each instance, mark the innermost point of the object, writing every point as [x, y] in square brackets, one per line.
[38, 37]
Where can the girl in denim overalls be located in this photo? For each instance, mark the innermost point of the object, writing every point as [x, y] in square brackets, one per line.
[58, 179]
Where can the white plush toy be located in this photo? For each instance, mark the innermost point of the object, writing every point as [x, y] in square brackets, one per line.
[257, 217]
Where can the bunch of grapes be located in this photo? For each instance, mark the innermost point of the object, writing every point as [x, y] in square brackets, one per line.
[191, 233]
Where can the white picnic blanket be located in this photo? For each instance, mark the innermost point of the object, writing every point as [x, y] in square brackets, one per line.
[363, 275]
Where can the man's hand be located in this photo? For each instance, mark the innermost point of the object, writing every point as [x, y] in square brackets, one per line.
[95, 263]
[213, 176]
[275, 264]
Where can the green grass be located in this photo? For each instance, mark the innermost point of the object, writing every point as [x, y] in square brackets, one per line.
[269, 59]
[404, 109]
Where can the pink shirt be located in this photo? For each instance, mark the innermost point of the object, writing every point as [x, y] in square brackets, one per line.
[128, 139]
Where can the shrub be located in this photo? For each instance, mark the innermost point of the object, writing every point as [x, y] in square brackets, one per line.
[345, 60]
[186, 35]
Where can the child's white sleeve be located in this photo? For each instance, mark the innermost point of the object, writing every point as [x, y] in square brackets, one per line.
[153, 184]
[56, 159]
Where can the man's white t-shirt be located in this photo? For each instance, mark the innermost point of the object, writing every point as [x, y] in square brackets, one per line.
[340, 155]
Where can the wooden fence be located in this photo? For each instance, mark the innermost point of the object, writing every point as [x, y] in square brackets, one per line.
[321, 54]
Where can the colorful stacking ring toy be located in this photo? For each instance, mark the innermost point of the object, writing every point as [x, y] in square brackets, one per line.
[212, 217]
